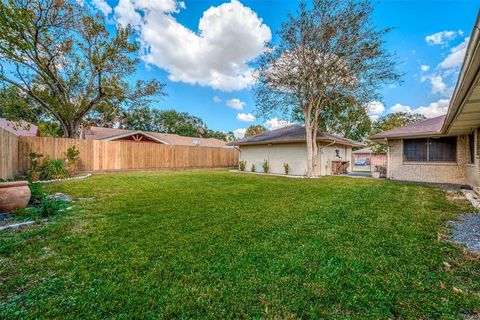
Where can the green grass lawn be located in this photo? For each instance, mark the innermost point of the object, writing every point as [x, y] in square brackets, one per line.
[213, 244]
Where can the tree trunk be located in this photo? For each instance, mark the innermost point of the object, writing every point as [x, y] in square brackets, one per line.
[315, 151]
[70, 129]
[312, 150]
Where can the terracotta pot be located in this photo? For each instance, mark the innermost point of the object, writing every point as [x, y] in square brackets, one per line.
[14, 195]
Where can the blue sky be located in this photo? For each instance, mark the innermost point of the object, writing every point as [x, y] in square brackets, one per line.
[201, 49]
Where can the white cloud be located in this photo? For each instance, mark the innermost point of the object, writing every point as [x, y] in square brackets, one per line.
[246, 117]
[229, 36]
[102, 6]
[442, 37]
[126, 14]
[217, 99]
[236, 104]
[400, 108]
[239, 133]
[275, 123]
[434, 109]
[438, 85]
[424, 67]
[375, 109]
[455, 58]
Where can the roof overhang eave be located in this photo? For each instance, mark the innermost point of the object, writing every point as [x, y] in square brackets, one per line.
[233, 143]
[469, 76]
[434, 134]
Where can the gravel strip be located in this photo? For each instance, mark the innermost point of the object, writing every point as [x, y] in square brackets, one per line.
[466, 231]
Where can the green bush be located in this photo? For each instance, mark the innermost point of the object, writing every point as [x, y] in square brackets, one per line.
[253, 167]
[36, 189]
[43, 205]
[55, 169]
[48, 207]
[34, 159]
[286, 168]
[71, 156]
[265, 166]
[242, 165]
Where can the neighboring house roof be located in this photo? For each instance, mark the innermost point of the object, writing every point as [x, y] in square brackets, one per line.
[362, 151]
[293, 133]
[109, 134]
[427, 127]
[20, 128]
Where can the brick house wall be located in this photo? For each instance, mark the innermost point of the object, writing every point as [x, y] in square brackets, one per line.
[455, 172]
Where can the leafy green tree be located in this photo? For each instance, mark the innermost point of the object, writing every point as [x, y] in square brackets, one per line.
[169, 121]
[221, 135]
[64, 58]
[343, 117]
[326, 49]
[254, 130]
[389, 122]
[15, 106]
[395, 120]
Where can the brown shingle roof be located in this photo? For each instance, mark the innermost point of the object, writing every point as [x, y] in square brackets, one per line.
[21, 128]
[98, 133]
[293, 133]
[427, 127]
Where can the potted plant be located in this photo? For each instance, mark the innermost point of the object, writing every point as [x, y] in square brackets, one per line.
[14, 195]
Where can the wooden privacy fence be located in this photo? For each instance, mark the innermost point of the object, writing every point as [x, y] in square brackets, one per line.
[96, 155]
[8, 154]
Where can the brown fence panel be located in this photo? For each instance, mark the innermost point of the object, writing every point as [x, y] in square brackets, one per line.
[8, 154]
[125, 155]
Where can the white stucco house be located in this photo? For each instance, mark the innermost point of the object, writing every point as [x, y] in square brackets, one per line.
[288, 146]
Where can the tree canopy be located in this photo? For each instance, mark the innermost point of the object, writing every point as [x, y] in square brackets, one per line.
[327, 50]
[254, 130]
[392, 121]
[63, 57]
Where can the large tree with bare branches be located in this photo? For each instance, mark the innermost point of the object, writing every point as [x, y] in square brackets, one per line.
[63, 57]
[327, 50]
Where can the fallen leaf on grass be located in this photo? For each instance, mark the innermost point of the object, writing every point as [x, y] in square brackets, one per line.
[442, 285]
[455, 289]
[447, 265]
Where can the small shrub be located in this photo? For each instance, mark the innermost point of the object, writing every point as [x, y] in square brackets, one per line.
[242, 164]
[48, 207]
[37, 193]
[34, 159]
[286, 168]
[265, 166]
[42, 205]
[253, 167]
[33, 174]
[55, 169]
[72, 156]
